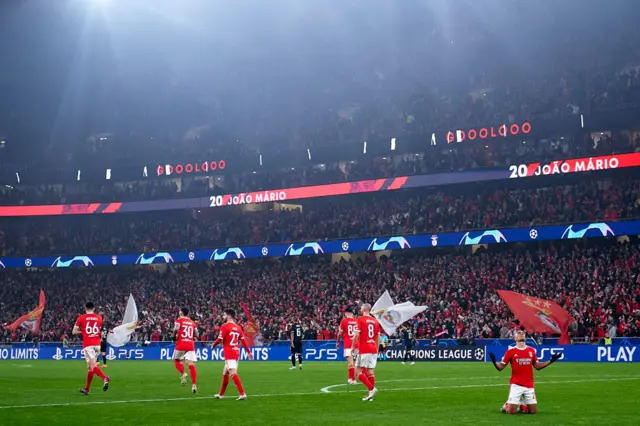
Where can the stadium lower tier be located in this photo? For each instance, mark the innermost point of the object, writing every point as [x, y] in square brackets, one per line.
[595, 280]
[403, 213]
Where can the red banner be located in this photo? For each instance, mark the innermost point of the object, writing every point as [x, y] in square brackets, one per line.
[251, 328]
[575, 165]
[32, 320]
[538, 315]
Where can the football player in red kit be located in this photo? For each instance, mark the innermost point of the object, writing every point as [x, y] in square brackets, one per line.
[523, 360]
[89, 325]
[186, 333]
[231, 336]
[347, 329]
[368, 339]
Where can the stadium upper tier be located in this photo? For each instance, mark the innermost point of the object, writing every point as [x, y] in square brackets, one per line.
[500, 159]
[596, 281]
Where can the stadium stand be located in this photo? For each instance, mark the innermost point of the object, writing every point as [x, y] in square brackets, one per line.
[598, 284]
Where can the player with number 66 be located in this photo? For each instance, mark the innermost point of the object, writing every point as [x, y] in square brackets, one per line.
[89, 325]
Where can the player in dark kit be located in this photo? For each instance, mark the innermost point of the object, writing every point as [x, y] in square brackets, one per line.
[103, 345]
[409, 341]
[295, 334]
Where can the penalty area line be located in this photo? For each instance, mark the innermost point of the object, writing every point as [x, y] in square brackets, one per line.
[268, 395]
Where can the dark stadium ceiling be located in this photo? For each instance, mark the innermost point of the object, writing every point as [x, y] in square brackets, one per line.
[249, 69]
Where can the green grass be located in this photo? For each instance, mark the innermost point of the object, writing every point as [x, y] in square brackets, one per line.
[146, 392]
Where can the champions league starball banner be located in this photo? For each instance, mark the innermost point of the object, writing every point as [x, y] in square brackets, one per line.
[436, 353]
[489, 236]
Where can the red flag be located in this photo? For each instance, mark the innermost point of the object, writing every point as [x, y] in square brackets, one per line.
[538, 315]
[251, 328]
[32, 320]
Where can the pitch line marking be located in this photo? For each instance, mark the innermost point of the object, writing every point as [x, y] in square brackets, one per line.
[327, 389]
[268, 395]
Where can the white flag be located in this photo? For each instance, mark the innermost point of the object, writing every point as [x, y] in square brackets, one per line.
[384, 302]
[121, 335]
[392, 316]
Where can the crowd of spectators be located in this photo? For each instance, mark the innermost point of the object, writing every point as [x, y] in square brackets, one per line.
[395, 213]
[597, 283]
[498, 153]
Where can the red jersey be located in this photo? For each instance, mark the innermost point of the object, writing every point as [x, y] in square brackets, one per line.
[90, 325]
[186, 334]
[369, 330]
[348, 327]
[521, 361]
[231, 335]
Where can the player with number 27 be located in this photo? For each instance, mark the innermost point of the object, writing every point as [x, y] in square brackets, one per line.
[231, 336]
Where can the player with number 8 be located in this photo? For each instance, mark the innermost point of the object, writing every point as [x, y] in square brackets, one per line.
[367, 336]
[89, 325]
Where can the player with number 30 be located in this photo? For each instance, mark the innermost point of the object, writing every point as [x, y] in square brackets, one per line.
[186, 333]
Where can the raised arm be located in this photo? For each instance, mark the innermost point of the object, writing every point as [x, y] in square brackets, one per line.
[499, 365]
[540, 365]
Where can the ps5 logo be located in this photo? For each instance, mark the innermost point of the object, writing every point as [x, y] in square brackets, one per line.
[156, 258]
[292, 251]
[59, 263]
[401, 242]
[494, 233]
[234, 252]
[602, 228]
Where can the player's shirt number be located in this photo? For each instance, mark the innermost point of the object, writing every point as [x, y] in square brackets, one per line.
[187, 332]
[351, 330]
[298, 332]
[91, 329]
[234, 338]
[371, 331]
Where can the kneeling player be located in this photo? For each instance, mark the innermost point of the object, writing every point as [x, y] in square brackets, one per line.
[186, 331]
[231, 335]
[523, 360]
[347, 329]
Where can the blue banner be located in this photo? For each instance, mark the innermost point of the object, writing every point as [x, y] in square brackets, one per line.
[326, 351]
[491, 236]
[579, 353]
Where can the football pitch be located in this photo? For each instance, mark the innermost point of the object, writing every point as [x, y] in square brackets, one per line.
[149, 392]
